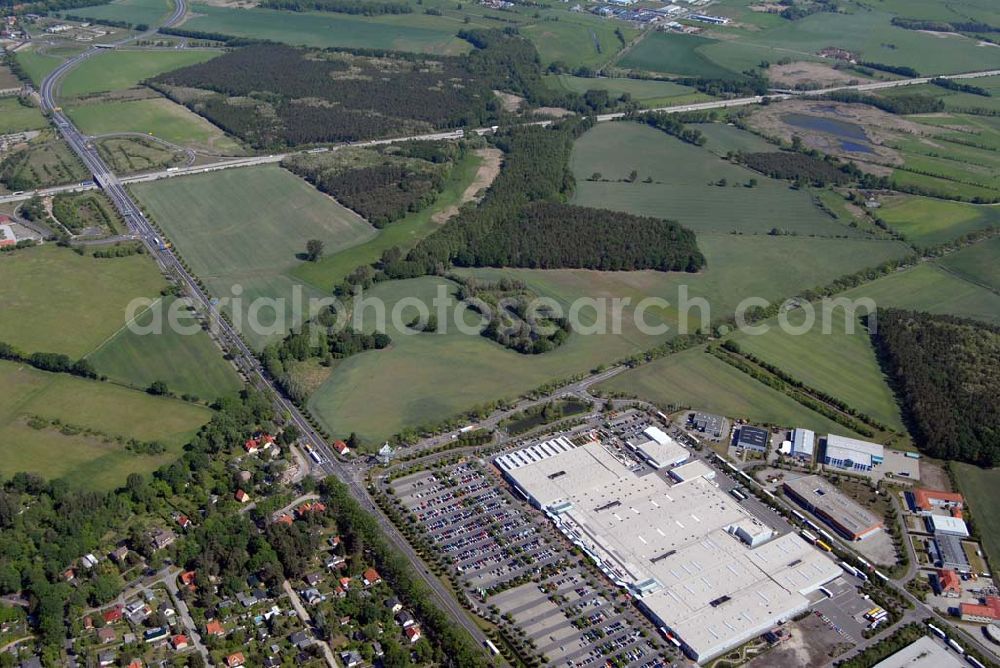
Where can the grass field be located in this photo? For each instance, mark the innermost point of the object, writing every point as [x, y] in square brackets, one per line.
[979, 486]
[130, 11]
[8, 79]
[839, 363]
[37, 65]
[723, 138]
[86, 460]
[683, 189]
[929, 287]
[15, 117]
[47, 161]
[423, 379]
[116, 70]
[647, 92]
[407, 32]
[977, 264]
[159, 117]
[188, 364]
[404, 233]
[698, 380]
[129, 155]
[673, 53]
[244, 227]
[575, 39]
[928, 221]
[57, 301]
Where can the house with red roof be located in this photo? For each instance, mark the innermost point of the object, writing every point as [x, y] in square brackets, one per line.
[112, 615]
[184, 521]
[214, 628]
[345, 582]
[371, 577]
[413, 633]
[242, 496]
[949, 584]
[341, 447]
[929, 499]
[252, 446]
[188, 579]
[308, 508]
[235, 660]
[987, 612]
[284, 518]
[179, 641]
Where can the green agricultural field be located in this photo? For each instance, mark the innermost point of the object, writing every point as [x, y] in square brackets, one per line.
[927, 221]
[648, 93]
[243, 229]
[57, 301]
[866, 33]
[188, 362]
[977, 264]
[695, 379]
[943, 186]
[673, 53]
[841, 362]
[117, 70]
[36, 65]
[929, 287]
[683, 185]
[86, 460]
[129, 155]
[131, 11]
[955, 100]
[406, 32]
[422, 379]
[158, 117]
[16, 117]
[404, 233]
[979, 486]
[723, 138]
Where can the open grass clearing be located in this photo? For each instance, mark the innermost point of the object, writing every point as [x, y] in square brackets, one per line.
[17, 117]
[928, 221]
[134, 154]
[840, 362]
[647, 92]
[404, 233]
[120, 69]
[696, 379]
[189, 364]
[86, 460]
[245, 228]
[8, 79]
[406, 32]
[46, 161]
[980, 488]
[136, 12]
[942, 186]
[979, 264]
[683, 186]
[158, 117]
[37, 65]
[929, 287]
[576, 40]
[673, 53]
[57, 301]
[422, 379]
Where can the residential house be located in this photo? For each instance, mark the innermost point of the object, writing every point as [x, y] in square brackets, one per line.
[106, 635]
[235, 660]
[350, 659]
[341, 448]
[413, 633]
[393, 604]
[214, 628]
[162, 538]
[119, 554]
[371, 577]
[242, 496]
[179, 642]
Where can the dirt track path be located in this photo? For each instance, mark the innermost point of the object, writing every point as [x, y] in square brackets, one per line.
[488, 170]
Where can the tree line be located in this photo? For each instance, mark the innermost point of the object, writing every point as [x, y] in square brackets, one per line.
[946, 372]
[794, 165]
[362, 7]
[943, 26]
[901, 104]
[53, 362]
[951, 84]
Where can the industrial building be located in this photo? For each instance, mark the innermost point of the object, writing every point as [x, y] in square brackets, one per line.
[699, 564]
[852, 454]
[923, 652]
[709, 424]
[658, 449]
[803, 444]
[946, 550]
[692, 470]
[986, 612]
[945, 524]
[752, 438]
[827, 503]
[930, 499]
[948, 583]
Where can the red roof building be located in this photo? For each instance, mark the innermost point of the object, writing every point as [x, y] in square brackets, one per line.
[242, 496]
[112, 615]
[371, 576]
[308, 508]
[188, 579]
[214, 628]
[413, 633]
[341, 447]
[184, 521]
[251, 446]
[179, 641]
[986, 612]
[927, 499]
[345, 583]
[949, 583]
[235, 660]
[284, 518]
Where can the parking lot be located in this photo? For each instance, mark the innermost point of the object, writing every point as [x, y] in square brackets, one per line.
[509, 555]
[843, 613]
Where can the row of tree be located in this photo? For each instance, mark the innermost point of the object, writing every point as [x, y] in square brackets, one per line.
[793, 165]
[363, 7]
[900, 104]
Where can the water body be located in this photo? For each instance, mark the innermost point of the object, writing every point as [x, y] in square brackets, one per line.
[851, 135]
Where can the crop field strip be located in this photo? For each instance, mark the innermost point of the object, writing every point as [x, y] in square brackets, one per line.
[121, 69]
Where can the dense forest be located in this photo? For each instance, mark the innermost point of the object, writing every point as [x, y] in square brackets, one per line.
[381, 192]
[274, 95]
[946, 371]
[795, 166]
[363, 7]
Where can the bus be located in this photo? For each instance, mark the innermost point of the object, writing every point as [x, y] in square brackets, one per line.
[808, 536]
[823, 546]
[490, 646]
[738, 494]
